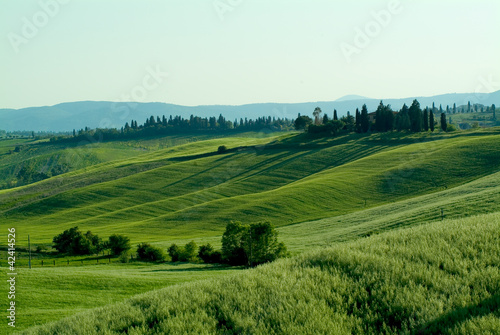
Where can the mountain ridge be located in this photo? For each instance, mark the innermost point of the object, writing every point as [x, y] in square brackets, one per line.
[106, 114]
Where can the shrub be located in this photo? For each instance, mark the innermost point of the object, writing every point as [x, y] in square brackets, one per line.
[174, 252]
[125, 257]
[205, 252]
[183, 254]
[222, 149]
[189, 254]
[147, 252]
[450, 128]
[208, 255]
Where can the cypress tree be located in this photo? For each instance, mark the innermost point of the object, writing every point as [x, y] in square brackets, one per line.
[403, 119]
[431, 121]
[443, 122]
[426, 119]
[325, 119]
[415, 117]
[365, 122]
[335, 117]
[380, 117]
[358, 121]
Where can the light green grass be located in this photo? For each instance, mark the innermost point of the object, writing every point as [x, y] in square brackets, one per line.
[355, 185]
[44, 155]
[176, 194]
[477, 197]
[437, 278]
[482, 119]
[49, 294]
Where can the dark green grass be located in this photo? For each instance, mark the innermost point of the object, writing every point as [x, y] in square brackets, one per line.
[437, 278]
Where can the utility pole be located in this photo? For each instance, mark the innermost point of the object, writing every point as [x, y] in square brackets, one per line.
[29, 247]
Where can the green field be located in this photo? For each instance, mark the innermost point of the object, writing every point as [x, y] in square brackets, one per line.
[190, 191]
[319, 192]
[436, 278]
[48, 294]
[45, 156]
[476, 119]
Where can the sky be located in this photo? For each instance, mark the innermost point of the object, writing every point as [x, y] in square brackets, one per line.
[233, 52]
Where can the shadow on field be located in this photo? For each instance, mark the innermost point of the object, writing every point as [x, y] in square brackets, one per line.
[457, 316]
[211, 268]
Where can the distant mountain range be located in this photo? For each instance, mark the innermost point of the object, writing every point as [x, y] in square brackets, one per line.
[105, 114]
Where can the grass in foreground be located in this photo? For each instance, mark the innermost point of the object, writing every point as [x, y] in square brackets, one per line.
[49, 294]
[442, 277]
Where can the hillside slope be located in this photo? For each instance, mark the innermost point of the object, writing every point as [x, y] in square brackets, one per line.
[480, 196]
[437, 278]
[191, 191]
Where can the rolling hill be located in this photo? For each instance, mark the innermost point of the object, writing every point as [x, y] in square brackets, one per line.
[320, 192]
[437, 278]
[191, 191]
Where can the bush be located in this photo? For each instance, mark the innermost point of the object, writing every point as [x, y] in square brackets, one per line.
[147, 252]
[222, 149]
[189, 254]
[125, 257]
[183, 254]
[174, 252]
[450, 128]
[118, 244]
[208, 255]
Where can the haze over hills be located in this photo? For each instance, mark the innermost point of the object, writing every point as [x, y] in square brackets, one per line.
[352, 97]
[105, 114]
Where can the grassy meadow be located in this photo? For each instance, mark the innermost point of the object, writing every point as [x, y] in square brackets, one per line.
[436, 278]
[378, 225]
[52, 293]
[190, 191]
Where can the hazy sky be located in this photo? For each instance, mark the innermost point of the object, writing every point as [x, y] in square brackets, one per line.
[244, 51]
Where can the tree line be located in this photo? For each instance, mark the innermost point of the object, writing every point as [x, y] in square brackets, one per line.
[153, 126]
[413, 119]
[248, 245]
